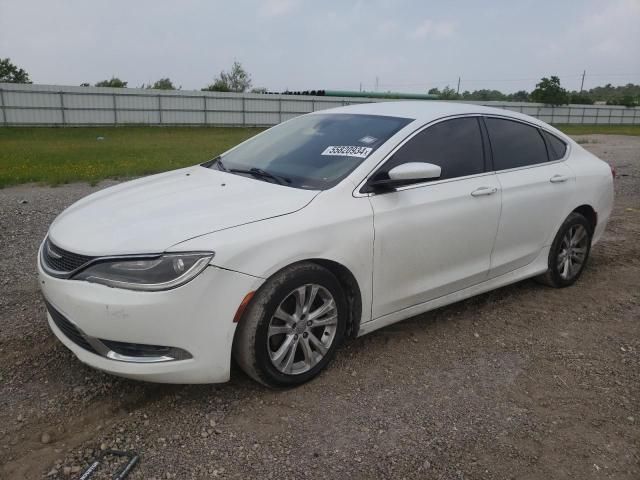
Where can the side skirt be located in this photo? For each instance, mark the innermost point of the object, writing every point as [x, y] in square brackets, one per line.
[538, 266]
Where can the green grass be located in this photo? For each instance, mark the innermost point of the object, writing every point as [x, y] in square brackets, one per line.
[600, 129]
[62, 155]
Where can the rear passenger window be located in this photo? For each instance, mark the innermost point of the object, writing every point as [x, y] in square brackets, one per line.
[454, 145]
[515, 144]
[557, 147]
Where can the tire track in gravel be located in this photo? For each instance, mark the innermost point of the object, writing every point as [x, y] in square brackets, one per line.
[525, 381]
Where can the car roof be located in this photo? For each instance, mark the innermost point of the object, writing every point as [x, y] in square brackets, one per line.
[428, 110]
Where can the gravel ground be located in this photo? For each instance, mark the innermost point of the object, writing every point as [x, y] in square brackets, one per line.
[524, 382]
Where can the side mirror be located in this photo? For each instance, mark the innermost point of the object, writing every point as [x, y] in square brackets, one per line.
[405, 174]
[417, 171]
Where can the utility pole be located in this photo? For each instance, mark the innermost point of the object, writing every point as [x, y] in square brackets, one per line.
[582, 84]
[377, 80]
[458, 90]
[360, 86]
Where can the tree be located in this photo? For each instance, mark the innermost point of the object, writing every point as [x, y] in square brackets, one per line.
[626, 100]
[10, 73]
[484, 95]
[580, 98]
[217, 86]
[114, 83]
[519, 96]
[448, 93]
[237, 80]
[163, 84]
[550, 92]
[434, 91]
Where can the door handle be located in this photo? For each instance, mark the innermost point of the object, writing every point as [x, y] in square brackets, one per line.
[558, 178]
[480, 191]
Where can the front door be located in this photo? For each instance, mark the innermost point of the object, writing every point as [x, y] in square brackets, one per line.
[435, 238]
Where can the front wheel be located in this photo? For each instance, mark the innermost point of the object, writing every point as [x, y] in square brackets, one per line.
[569, 252]
[292, 327]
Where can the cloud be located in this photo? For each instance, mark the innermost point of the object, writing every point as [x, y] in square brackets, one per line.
[599, 37]
[388, 26]
[433, 29]
[277, 8]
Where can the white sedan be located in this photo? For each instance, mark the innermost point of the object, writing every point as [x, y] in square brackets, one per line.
[325, 227]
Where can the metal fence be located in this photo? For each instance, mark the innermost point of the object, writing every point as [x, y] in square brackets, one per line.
[53, 105]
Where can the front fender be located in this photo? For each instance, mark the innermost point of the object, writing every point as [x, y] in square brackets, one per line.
[341, 232]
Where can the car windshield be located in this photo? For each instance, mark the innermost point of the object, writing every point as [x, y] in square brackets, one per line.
[311, 152]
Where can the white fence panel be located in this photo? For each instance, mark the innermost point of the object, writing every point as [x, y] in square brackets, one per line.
[33, 117]
[225, 104]
[145, 117]
[76, 106]
[90, 117]
[181, 103]
[32, 99]
[181, 117]
[224, 118]
[88, 102]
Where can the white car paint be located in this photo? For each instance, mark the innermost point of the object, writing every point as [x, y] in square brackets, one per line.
[533, 207]
[177, 205]
[412, 250]
[440, 263]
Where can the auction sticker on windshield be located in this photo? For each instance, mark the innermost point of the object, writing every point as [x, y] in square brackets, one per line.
[348, 151]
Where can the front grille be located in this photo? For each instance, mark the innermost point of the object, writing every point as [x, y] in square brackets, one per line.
[61, 260]
[68, 328]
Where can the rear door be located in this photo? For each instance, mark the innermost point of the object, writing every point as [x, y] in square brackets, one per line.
[536, 187]
[436, 237]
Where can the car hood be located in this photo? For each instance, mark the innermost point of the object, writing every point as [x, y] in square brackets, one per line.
[151, 214]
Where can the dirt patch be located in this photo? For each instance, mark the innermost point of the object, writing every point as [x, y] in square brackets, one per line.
[523, 382]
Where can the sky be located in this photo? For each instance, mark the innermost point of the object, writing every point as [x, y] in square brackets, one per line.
[407, 45]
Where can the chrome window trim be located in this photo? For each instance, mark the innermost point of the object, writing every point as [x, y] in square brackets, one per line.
[357, 193]
[539, 127]
[434, 182]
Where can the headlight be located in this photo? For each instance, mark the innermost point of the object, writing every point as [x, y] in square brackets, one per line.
[147, 273]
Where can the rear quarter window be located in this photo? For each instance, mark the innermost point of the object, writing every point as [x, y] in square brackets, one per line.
[557, 148]
[515, 144]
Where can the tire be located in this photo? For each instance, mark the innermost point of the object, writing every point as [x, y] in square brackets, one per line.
[274, 344]
[560, 273]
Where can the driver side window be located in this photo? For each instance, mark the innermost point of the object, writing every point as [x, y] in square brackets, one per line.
[454, 145]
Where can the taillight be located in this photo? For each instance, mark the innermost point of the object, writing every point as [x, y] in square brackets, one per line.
[613, 170]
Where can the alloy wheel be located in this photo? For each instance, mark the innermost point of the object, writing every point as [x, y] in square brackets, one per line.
[573, 251]
[302, 329]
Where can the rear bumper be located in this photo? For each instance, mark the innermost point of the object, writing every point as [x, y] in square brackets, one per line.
[196, 318]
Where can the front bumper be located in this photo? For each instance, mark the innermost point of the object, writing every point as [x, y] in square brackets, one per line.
[196, 318]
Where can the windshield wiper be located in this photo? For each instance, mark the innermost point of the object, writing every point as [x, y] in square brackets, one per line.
[218, 162]
[255, 172]
[259, 173]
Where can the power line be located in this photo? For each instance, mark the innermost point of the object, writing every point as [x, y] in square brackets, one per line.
[499, 80]
[472, 82]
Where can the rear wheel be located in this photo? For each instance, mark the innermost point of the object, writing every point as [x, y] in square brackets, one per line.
[569, 252]
[292, 327]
